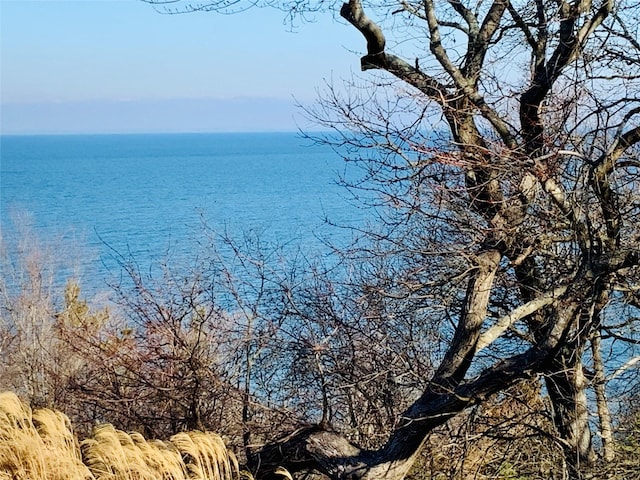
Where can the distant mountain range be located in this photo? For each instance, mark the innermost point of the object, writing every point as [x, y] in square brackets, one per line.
[243, 114]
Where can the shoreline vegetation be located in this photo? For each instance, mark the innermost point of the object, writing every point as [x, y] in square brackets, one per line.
[194, 349]
[41, 445]
[510, 433]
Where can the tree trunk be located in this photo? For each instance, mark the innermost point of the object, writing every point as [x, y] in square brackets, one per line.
[567, 387]
[604, 415]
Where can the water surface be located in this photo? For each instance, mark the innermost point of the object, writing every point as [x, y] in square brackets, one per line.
[145, 194]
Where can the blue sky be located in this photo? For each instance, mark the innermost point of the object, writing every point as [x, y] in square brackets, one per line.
[108, 66]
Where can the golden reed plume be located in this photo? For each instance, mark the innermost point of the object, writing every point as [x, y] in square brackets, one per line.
[40, 445]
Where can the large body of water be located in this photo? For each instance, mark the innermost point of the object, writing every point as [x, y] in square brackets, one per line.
[146, 194]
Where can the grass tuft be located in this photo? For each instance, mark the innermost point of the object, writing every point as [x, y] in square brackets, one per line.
[40, 445]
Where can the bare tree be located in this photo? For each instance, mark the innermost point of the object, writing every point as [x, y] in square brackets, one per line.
[502, 139]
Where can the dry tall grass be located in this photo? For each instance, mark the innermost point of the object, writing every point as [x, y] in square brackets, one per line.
[40, 445]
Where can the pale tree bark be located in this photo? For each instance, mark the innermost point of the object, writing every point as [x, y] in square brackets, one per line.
[604, 414]
[567, 389]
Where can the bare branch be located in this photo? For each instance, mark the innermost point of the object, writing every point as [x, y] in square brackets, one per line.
[505, 322]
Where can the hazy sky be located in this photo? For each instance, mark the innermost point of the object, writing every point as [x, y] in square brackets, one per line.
[118, 65]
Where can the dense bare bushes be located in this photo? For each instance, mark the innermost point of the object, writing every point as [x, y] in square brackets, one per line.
[202, 351]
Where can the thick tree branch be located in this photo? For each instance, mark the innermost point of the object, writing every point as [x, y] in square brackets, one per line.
[466, 79]
[438, 50]
[522, 25]
[478, 50]
[569, 47]
[328, 452]
[467, 15]
[505, 322]
[377, 58]
[600, 179]
[354, 14]
[463, 346]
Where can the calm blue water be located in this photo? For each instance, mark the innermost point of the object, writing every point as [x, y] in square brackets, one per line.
[145, 194]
